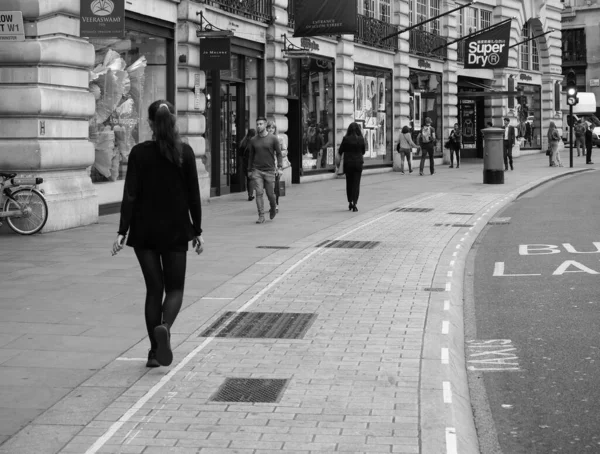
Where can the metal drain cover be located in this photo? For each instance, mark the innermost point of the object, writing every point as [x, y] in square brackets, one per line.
[347, 244]
[413, 210]
[250, 390]
[499, 221]
[434, 289]
[272, 247]
[462, 214]
[261, 325]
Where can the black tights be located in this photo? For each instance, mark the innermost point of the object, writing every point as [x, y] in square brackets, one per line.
[164, 272]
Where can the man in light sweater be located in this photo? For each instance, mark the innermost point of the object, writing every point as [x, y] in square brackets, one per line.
[264, 149]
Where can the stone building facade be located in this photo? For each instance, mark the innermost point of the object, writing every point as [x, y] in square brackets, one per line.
[72, 106]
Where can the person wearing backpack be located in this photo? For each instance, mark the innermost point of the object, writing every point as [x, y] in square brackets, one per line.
[580, 130]
[426, 140]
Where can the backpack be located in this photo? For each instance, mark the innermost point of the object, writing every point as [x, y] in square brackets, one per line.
[426, 134]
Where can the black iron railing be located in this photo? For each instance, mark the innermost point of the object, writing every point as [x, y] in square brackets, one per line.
[369, 31]
[258, 10]
[291, 18]
[423, 43]
[460, 51]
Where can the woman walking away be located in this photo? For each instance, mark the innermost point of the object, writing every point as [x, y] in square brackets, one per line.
[244, 154]
[405, 145]
[272, 129]
[427, 142]
[352, 149]
[553, 141]
[161, 193]
[455, 144]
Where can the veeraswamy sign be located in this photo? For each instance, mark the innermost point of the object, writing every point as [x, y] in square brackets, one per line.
[488, 49]
[102, 18]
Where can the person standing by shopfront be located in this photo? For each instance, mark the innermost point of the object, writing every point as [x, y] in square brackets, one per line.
[160, 196]
[244, 155]
[554, 140]
[588, 144]
[580, 132]
[404, 148]
[455, 143]
[353, 149]
[426, 140]
[264, 152]
[508, 143]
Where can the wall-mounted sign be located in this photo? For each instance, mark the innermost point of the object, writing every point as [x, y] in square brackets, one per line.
[102, 18]
[525, 77]
[309, 44]
[594, 82]
[489, 49]
[417, 111]
[215, 54]
[324, 17]
[468, 120]
[11, 26]
[423, 63]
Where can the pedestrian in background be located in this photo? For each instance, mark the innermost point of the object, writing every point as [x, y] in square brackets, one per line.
[455, 140]
[508, 143]
[352, 149]
[244, 154]
[553, 141]
[404, 148]
[580, 133]
[588, 145]
[265, 151]
[155, 218]
[272, 129]
[426, 140]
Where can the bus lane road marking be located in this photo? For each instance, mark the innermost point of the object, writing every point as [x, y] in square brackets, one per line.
[492, 355]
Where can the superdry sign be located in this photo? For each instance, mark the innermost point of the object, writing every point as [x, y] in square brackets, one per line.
[489, 49]
[324, 17]
[102, 18]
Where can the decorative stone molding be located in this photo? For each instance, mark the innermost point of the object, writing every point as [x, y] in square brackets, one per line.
[344, 86]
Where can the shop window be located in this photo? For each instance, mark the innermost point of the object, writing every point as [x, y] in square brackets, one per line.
[529, 110]
[574, 47]
[425, 91]
[129, 74]
[373, 112]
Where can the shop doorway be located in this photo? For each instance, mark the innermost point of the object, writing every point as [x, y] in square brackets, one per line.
[294, 138]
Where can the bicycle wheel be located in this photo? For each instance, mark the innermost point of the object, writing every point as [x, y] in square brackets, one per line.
[35, 211]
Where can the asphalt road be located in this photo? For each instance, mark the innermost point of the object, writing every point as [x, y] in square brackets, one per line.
[533, 322]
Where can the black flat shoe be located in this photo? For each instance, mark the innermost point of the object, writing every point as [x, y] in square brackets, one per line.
[354, 208]
[250, 198]
[350, 206]
[164, 354]
[152, 362]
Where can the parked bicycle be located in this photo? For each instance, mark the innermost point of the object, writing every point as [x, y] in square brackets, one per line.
[24, 206]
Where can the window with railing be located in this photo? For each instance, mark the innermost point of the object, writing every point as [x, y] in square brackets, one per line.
[370, 30]
[258, 10]
[385, 10]
[525, 47]
[421, 10]
[573, 47]
[471, 20]
[434, 10]
[369, 8]
[485, 19]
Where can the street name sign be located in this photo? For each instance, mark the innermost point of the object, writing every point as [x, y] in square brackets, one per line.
[11, 26]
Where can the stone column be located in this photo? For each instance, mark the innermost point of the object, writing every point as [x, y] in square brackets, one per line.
[401, 73]
[45, 106]
[277, 81]
[344, 86]
[450, 79]
[191, 92]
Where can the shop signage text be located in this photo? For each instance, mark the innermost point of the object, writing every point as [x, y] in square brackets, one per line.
[525, 77]
[489, 49]
[423, 63]
[215, 54]
[309, 44]
[324, 17]
[11, 26]
[594, 82]
[102, 18]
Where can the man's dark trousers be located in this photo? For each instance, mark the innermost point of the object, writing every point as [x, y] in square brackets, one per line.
[508, 154]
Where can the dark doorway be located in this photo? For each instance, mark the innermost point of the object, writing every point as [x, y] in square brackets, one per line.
[294, 138]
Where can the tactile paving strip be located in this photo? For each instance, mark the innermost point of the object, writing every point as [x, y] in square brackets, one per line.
[250, 390]
[261, 325]
[347, 244]
[413, 210]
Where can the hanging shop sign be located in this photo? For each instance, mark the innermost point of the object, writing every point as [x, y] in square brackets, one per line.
[324, 17]
[215, 54]
[11, 26]
[102, 18]
[489, 49]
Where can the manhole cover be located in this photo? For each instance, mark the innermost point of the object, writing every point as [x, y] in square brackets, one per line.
[347, 244]
[261, 325]
[413, 210]
[250, 390]
[462, 225]
[499, 221]
[434, 289]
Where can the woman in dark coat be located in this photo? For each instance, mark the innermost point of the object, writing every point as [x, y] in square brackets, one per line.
[244, 154]
[455, 144]
[160, 215]
[352, 149]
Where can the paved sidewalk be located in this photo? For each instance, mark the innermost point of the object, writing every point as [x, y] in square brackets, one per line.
[380, 368]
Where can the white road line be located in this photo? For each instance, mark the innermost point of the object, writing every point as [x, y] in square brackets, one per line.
[454, 254]
[451, 447]
[452, 262]
[100, 442]
[445, 356]
[447, 392]
[449, 274]
[446, 305]
[448, 286]
[445, 327]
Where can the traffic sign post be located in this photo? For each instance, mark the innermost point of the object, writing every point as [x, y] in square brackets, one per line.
[572, 100]
[571, 136]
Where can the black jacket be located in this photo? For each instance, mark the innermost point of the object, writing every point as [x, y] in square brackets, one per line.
[353, 149]
[159, 198]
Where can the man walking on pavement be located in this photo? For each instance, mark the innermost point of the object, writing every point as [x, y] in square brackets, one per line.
[509, 141]
[264, 150]
[580, 129]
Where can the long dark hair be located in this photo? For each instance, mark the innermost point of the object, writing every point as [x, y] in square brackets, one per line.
[354, 130]
[244, 143]
[164, 126]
